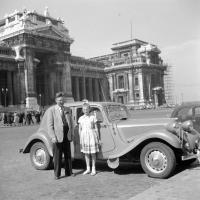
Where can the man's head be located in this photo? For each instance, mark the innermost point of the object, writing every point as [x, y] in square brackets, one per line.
[60, 98]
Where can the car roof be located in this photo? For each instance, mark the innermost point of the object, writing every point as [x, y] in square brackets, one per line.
[92, 103]
[185, 105]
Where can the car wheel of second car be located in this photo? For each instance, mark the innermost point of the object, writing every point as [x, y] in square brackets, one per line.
[158, 160]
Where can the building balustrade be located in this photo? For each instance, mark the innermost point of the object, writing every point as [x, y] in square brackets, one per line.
[129, 60]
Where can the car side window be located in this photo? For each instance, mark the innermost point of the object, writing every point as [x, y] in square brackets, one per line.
[97, 113]
[184, 113]
[79, 113]
[197, 111]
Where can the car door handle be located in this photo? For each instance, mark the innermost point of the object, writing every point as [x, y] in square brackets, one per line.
[103, 125]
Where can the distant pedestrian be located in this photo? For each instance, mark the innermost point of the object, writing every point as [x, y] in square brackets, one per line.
[16, 118]
[21, 118]
[9, 118]
[5, 121]
[37, 117]
[28, 118]
[89, 139]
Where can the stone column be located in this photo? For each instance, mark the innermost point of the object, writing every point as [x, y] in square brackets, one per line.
[31, 100]
[0, 98]
[101, 97]
[130, 84]
[83, 88]
[21, 83]
[51, 87]
[105, 88]
[15, 88]
[96, 92]
[47, 98]
[141, 88]
[90, 89]
[114, 82]
[10, 88]
[67, 87]
[149, 87]
[77, 91]
[110, 81]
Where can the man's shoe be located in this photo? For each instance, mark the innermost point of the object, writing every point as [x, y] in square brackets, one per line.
[56, 177]
[73, 175]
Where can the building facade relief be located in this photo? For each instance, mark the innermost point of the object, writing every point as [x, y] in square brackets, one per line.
[38, 63]
[135, 72]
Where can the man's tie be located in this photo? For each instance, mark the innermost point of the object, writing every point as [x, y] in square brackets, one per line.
[63, 117]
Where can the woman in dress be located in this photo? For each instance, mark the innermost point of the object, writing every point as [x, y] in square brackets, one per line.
[89, 140]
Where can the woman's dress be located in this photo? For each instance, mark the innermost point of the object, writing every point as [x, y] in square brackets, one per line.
[88, 135]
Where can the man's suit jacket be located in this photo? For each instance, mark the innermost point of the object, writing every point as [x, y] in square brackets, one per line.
[55, 123]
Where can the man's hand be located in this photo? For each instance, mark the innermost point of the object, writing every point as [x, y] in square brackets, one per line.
[100, 142]
[54, 140]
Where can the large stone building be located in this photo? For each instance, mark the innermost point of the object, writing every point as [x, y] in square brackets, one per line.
[35, 63]
[135, 72]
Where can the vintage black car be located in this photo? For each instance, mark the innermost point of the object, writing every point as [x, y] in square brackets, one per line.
[159, 144]
[188, 111]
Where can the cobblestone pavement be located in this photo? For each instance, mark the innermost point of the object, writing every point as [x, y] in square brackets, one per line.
[20, 181]
[184, 186]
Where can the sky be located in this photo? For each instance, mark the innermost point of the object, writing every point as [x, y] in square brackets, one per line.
[172, 25]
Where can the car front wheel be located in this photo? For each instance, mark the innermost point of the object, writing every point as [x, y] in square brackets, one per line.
[39, 156]
[158, 160]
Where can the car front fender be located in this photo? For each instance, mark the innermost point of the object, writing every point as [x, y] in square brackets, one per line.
[38, 137]
[135, 141]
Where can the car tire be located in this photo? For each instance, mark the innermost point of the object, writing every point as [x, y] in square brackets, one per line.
[39, 156]
[158, 160]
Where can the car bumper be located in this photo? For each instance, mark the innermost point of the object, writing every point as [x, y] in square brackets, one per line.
[191, 156]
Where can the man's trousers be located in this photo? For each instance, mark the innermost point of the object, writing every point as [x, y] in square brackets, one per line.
[58, 150]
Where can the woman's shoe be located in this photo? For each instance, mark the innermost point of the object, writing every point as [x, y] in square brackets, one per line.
[93, 173]
[86, 172]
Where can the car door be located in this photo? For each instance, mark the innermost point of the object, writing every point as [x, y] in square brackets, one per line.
[196, 118]
[105, 133]
[77, 151]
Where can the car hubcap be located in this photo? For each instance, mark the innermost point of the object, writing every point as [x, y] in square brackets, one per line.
[40, 157]
[156, 161]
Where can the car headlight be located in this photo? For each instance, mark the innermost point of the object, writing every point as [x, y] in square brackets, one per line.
[187, 126]
[187, 146]
[197, 143]
[172, 127]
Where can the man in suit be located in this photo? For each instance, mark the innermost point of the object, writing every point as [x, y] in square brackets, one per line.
[60, 130]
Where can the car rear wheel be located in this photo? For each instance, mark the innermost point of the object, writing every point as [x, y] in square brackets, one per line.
[158, 160]
[39, 156]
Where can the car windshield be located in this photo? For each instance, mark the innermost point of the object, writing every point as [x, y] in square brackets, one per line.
[182, 113]
[116, 112]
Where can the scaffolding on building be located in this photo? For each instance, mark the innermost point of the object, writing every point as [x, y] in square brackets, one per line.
[169, 85]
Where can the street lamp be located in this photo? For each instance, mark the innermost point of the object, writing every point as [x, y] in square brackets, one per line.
[40, 99]
[4, 91]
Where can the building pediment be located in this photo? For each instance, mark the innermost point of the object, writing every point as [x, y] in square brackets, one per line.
[52, 32]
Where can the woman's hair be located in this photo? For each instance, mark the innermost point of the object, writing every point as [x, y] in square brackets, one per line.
[86, 105]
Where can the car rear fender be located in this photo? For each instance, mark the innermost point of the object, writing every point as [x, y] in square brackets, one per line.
[38, 137]
[134, 142]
